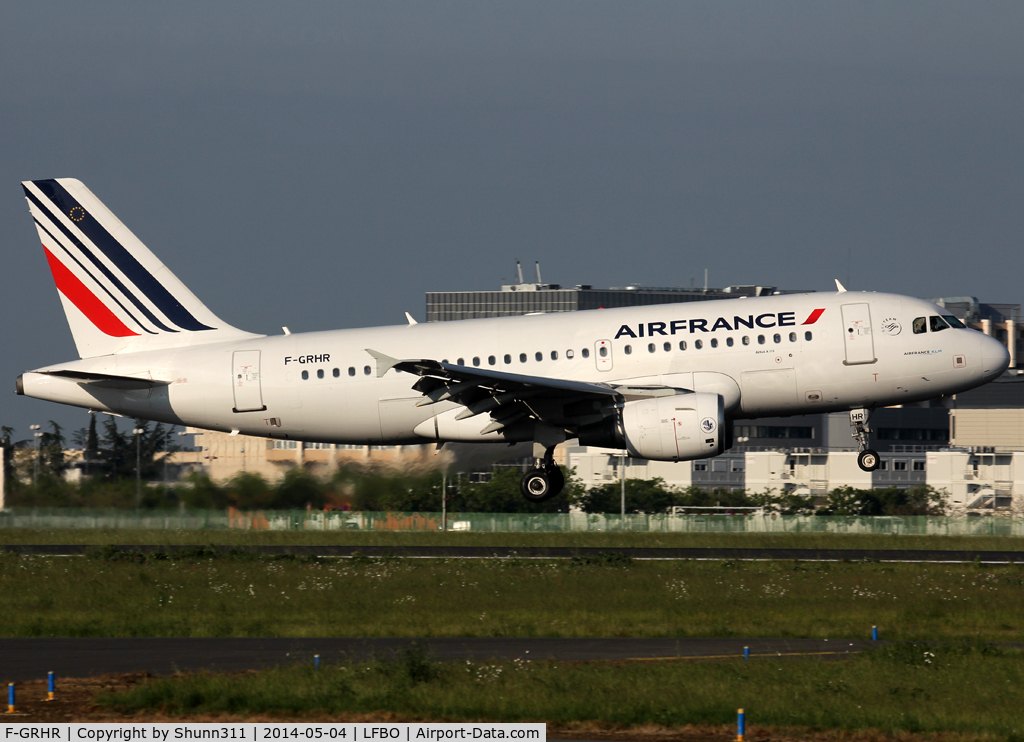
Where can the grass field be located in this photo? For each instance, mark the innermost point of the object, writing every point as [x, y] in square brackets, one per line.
[52, 596]
[974, 691]
[102, 537]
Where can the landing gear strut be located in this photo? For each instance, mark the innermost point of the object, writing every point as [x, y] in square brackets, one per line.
[544, 481]
[867, 459]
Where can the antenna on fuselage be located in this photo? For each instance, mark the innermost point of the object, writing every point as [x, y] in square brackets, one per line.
[537, 263]
[519, 270]
[839, 287]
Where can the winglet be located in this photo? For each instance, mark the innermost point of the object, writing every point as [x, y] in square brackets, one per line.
[384, 363]
[839, 287]
[410, 318]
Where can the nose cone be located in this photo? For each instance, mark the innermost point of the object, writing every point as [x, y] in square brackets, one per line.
[995, 358]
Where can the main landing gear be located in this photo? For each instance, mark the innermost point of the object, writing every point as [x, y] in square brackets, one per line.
[544, 481]
[867, 459]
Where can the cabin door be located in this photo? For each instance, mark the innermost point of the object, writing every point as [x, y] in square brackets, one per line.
[245, 369]
[860, 345]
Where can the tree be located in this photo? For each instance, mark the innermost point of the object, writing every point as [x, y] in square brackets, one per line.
[89, 442]
[116, 453]
[51, 451]
[784, 503]
[198, 491]
[373, 490]
[654, 496]
[642, 496]
[297, 489]
[118, 450]
[9, 447]
[917, 500]
[248, 491]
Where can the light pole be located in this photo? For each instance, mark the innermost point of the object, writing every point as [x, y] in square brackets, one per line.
[138, 465]
[38, 436]
[623, 455]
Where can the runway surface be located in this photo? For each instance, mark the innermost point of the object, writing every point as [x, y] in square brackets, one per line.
[31, 659]
[565, 552]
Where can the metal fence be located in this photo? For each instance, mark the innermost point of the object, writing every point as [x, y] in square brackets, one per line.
[304, 520]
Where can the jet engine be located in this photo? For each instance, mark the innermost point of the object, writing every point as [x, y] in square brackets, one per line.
[678, 427]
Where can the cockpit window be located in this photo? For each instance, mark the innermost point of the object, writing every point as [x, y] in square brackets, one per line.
[953, 321]
[920, 325]
[937, 323]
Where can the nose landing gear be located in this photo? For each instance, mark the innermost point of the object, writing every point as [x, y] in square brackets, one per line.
[544, 481]
[867, 459]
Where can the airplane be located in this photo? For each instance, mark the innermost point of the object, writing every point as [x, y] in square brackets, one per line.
[664, 382]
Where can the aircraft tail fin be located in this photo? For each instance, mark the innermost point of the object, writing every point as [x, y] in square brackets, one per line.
[117, 295]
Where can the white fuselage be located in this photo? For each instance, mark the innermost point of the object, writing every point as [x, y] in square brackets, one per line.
[323, 386]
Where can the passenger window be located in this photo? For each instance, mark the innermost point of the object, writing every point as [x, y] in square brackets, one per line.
[569, 354]
[808, 336]
[337, 373]
[586, 352]
[366, 370]
[461, 362]
[305, 375]
[351, 370]
[954, 322]
[792, 337]
[667, 347]
[777, 338]
[603, 352]
[507, 359]
[714, 342]
[729, 341]
[920, 325]
[746, 340]
[628, 349]
[760, 339]
[682, 345]
[698, 344]
[538, 356]
[937, 323]
[554, 355]
[319, 373]
[651, 347]
[491, 360]
[522, 358]
[476, 360]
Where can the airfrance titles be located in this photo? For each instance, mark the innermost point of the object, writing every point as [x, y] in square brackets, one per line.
[751, 321]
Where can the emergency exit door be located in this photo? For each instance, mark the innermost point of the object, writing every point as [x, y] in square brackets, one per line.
[603, 355]
[246, 381]
[860, 345]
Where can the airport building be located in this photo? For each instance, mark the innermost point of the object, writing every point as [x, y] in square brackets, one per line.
[532, 298]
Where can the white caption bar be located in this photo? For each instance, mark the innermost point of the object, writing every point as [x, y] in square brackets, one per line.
[284, 732]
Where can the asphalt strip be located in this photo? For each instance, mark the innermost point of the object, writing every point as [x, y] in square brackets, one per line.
[936, 556]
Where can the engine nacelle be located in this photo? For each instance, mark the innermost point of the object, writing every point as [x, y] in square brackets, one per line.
[676, 428]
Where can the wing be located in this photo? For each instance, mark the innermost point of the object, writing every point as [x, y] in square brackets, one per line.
[511, 398]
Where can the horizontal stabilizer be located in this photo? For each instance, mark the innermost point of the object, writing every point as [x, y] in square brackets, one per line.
[107, 381]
